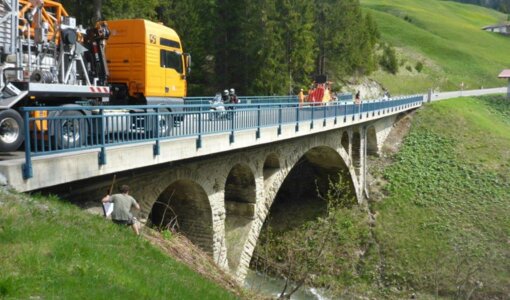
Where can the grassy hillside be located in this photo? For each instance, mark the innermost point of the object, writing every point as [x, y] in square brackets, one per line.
[51, 250]
[447, 38]
[441, 226]
[444, 226]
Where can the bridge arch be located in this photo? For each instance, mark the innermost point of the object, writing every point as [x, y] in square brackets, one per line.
[307, 182]
[186, 204]
[296, 200]
[240, 199]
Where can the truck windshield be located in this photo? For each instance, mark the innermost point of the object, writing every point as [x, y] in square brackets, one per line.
[171, 60]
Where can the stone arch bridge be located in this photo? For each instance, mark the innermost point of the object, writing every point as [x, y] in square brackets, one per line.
[221, 201]
[221, 186]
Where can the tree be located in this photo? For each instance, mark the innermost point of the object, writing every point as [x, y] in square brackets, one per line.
[296, 19]
[389, 59]
[298, 253]
[194, 21]
[97, 10]
[129, 9]
[345, 38]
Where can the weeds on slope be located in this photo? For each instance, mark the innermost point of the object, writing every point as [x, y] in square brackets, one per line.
[444, 227]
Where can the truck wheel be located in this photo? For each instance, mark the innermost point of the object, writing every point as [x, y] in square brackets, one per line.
[11, 130]
[70, 132]
[163, 122]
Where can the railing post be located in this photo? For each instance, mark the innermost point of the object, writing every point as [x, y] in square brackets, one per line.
[280, 119]
[325, 107]
[312, 106]
[297, 118]
[231, 138]
[257, 134]
[345, 112]
[156, 149]
[336, 112]
[102, 152]
[27, 166]
[199, 137]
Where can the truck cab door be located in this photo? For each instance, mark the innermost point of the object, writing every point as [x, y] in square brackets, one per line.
[175, 78]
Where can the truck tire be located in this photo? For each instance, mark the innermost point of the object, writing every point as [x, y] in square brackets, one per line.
[70, 132]
[163, 122]
[11, 130]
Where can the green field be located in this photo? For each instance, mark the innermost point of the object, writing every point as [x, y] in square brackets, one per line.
[447, 38]
[53, 250]
[444, 227]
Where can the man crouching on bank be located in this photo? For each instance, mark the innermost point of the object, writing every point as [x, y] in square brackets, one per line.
[122, 204]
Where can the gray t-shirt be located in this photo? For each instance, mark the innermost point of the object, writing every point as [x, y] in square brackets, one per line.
[122, 206]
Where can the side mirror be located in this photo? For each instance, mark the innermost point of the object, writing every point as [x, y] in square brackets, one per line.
[187, 61]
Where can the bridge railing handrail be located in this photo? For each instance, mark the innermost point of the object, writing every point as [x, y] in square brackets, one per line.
[75, 128]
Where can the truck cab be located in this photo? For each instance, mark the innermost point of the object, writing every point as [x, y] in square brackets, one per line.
[146, 61]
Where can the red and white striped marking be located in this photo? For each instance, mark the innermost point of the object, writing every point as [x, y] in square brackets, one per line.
[99, 89]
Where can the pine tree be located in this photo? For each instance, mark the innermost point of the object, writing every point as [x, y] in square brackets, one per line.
[129, 9]
[194, 21]
[296, 19]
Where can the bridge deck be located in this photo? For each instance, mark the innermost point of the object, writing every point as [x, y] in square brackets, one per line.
[197, 136]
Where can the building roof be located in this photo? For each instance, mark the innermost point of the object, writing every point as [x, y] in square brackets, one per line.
[504, 74]
[496, 26]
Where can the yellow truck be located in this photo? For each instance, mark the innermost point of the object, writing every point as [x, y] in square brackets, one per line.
[46, 59]
[146, 60]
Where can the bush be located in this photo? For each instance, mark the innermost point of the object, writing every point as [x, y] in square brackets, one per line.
[418, 67]
[408, 68]
[388, 60]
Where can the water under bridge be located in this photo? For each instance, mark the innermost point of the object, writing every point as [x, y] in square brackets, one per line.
[220, 173]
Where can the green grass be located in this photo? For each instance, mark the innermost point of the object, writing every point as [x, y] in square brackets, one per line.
[447, 38]
[444, 227]
[52, 250]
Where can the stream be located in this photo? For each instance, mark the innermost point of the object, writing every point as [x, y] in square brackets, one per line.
[271, 286]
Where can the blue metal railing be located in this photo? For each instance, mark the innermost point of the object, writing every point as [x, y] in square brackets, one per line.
[344, 96]
[76, 128]
[244, 100]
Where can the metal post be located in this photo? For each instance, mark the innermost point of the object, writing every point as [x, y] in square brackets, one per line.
[232, 138]
[102, 152]
[297, 118]
[336, 112]
[311, 121]
[279, 119]
[199, 137]
[345, 112]
[324, 115]
[156, 149]
[257, 134]
[27, 166]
